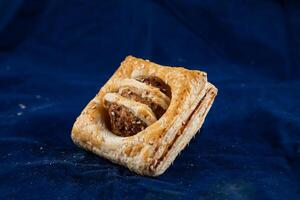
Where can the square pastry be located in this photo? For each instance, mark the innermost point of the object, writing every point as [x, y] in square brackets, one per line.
[145, 115]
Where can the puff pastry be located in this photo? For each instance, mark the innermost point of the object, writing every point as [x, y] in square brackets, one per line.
[145, 115]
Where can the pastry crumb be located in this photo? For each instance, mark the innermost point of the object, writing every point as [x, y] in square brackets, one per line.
[22, 106]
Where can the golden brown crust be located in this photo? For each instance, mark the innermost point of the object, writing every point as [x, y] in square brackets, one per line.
[152, 150]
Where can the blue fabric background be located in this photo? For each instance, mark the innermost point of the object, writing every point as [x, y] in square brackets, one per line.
[55, 56]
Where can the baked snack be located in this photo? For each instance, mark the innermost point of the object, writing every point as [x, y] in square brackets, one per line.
[145, 115]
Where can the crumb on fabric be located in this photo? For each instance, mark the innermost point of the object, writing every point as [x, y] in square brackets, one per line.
[22, 106]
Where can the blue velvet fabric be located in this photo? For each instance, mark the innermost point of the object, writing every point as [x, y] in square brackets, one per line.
[55, 55]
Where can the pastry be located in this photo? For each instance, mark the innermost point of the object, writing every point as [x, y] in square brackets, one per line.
[145, 115]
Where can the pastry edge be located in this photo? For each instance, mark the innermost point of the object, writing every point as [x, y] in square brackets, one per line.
[192, 127]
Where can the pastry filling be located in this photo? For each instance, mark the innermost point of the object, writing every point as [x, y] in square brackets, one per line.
[157, 109]
[156, 82]
[123, 122]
